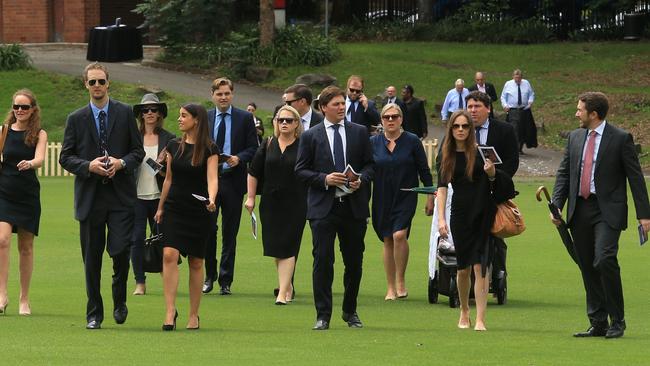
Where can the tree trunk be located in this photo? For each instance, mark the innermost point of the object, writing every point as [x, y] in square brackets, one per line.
[267, 22]
[425, 10]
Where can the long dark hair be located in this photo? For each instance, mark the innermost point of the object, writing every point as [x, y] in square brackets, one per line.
[448, 162]
[203, 141]
[34, 123]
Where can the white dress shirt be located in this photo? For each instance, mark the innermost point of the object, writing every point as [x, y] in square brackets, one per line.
[509, 95]
[483, 132]
[330, 136]
[306, 120]
[599, 135]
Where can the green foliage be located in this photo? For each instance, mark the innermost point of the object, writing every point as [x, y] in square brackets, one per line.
[14, 57]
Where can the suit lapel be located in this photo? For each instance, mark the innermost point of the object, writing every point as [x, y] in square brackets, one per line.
[326, 141]
[211, 115]
[90, 120]
[112, 117]
[577, 151]
[348, 145]
[604, 142]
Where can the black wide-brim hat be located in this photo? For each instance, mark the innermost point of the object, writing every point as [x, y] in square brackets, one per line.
[148, 100]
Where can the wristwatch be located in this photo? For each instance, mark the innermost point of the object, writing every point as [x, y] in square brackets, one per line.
[123, 163]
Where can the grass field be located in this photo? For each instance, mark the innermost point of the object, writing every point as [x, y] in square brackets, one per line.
[546, 305]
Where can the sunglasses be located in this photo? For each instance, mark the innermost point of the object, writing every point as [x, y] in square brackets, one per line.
[92, 82]
[149, 110]
[356, 91]
[464, 126]
[390, 117]
[24, 107]
[288, 102]
[285, 120]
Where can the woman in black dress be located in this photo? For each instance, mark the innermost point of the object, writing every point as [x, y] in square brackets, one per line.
[151, 115]
[20, 204]
[186, 200]
[259, 125]
[472, 212]
[399, 160]
[283, 205]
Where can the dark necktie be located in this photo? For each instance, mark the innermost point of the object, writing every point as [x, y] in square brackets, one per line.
[339, 157]
[460, 100]
[585, 178]
[519, 95]
[103, 134]
[221, 131]
[352, 110]
[478, 134]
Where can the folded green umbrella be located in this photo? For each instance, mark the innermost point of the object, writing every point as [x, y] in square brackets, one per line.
[423, 190]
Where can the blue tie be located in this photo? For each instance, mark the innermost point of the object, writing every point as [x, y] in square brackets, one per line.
[339, 157]
[221, 131]
[478, 134]
[103, 134]
[460, 100]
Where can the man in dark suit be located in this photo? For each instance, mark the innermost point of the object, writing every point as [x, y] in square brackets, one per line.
[485, 87]
[102, 147]
[503, 138]
[417, 122]
[233, 131]
[358, 108]
[391, 97]
[598, 159]
[300, 97]
[324, 152]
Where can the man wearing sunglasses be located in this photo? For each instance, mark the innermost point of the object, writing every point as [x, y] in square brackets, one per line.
[102, 147]
[358, 108]
[233, 131]
[299, 96]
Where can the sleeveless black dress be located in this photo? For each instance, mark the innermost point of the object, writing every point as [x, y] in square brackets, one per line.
[186, 222]
[20, 191]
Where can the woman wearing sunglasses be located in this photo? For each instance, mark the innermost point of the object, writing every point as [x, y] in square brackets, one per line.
[23, 151]
[399, 161]
[151, 115]
[283, 204]
[477, 185]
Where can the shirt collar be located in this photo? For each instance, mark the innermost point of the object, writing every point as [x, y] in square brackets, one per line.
[329, 124]
[601, 127]
[228, 111]
[96, 110]
[486, 124]
[307, 116]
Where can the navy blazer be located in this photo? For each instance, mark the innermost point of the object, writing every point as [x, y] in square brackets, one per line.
[243, 143]
[369, 117]
[315, 161]
[616, 161]
[316, 118]
[81, 145]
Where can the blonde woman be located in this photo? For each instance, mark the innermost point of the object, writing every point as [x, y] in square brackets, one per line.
[283, 204]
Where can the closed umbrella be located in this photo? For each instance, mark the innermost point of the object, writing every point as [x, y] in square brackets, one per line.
[562, 229]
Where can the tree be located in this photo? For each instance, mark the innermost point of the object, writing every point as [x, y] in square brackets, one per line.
[267, 23]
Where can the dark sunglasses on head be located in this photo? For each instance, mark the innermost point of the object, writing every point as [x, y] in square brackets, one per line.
[24, 107]
[149, 109]
[464, 126]
[357, 91]
[92, 82]
[390, 117]
[286, 120]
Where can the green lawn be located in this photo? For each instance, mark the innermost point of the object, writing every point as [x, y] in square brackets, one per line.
[546, 304]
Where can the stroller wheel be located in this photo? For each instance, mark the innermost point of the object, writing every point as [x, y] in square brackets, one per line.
[502, 290]
[433, 289]
[454, 302]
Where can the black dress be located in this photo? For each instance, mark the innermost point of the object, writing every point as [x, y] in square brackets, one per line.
[472, 213]
[283, 204]
[20, 203]
[186, 222]
[392, 209]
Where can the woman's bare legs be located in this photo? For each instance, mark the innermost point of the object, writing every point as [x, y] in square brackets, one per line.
[5, 246]
[170, 282]
[481, 288]
[463, 281]
[401, 254]
[196, 284]
[286, 267]
[26, 250]
[389, 268]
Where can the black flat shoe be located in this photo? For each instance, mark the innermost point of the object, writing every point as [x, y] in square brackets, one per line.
[321, 325]
[208, 285]
[120, 313]
[198, 324]
[168, 327]
[225, 290]
[352, 319]
[592, 332]
[616, 330]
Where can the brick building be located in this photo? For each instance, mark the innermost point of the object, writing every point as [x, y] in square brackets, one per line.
[30, 21]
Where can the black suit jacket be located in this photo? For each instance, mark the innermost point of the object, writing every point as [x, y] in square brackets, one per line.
[503, 138]
[616, 161]
[315, 162]
[81, 145]
[316, 118]
[400, 103]
[368, 118]
[416, 122]
[243, 143]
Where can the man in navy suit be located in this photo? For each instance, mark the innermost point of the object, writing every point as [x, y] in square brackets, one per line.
[102, 147]
[233, 131]
[358, 108]
[325, 151]
[299, 96]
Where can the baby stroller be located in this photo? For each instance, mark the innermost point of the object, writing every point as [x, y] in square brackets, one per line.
[443, 265]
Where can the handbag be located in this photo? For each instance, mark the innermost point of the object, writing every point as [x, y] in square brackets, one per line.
[152, 256]
[3, 138]
[508, 220]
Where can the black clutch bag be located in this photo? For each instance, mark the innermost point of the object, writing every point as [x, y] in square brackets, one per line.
[152, 257]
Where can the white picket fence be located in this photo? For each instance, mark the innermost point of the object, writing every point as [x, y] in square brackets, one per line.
[52, 168]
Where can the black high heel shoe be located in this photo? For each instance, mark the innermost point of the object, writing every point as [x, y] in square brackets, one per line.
[168, 327]
[3, 308]
[198, 324]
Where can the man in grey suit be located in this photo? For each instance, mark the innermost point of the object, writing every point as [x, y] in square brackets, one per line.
[102, 147]
[592, 176]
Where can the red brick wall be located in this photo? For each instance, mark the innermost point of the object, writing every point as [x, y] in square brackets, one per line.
[79, 17]
[25, 21]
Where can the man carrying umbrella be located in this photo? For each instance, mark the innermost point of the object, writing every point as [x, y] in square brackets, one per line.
[598, 159]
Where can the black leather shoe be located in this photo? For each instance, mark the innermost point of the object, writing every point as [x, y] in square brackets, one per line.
[208, 285]
[321, 325]
[352, 320]
[120, 313]
[225, 290]
[169, 327]
[592, 332]
[616, 330]
[94, 324]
